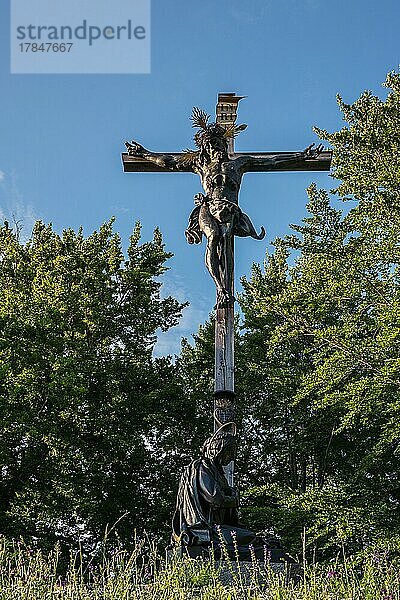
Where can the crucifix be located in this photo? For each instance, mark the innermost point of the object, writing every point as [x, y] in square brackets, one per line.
[218, 217]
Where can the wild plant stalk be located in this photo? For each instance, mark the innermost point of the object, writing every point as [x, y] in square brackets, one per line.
[30, 574]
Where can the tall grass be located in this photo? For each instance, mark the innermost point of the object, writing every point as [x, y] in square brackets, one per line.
[27, 574]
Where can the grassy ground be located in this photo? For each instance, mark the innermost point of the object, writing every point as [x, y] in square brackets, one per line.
[31, 575]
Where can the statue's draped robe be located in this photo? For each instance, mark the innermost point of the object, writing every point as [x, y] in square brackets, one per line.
[221, 210]
[206, 512]
[204, 499]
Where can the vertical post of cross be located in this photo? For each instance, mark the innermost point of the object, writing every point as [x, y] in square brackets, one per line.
[224, 389]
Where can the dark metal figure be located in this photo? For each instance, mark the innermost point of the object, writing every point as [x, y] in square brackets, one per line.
[217, 214]
[206, 514]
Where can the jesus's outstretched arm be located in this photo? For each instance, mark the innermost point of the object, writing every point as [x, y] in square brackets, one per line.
[276, 161]
[168, 161]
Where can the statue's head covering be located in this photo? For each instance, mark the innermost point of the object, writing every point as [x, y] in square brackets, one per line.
[212, 133]
[220, 440]
[208, 134]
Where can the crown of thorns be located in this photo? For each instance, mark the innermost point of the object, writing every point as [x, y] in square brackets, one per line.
[200, 120]
[206, 133]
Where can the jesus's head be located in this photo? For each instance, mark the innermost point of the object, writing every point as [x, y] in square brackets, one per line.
[211, 138]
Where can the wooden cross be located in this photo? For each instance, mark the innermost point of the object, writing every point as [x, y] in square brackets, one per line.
[224, 174]
[226, 113]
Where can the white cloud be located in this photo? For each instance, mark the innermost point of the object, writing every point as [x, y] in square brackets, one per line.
[2, 176]
[118, 209]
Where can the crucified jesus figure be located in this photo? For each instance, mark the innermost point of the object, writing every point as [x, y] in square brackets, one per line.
[217, 214]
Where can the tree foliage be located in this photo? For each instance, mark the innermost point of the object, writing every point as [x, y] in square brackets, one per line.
[88, 419]
[322, 343]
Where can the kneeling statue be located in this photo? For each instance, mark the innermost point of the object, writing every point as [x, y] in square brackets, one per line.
[206, 515]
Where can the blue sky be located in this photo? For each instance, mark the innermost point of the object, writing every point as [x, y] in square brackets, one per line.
[61, 135]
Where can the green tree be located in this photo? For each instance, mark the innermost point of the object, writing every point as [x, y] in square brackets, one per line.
[88, 419]
[322, 345]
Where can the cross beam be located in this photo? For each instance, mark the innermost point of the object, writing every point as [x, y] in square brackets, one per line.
[134, 164]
